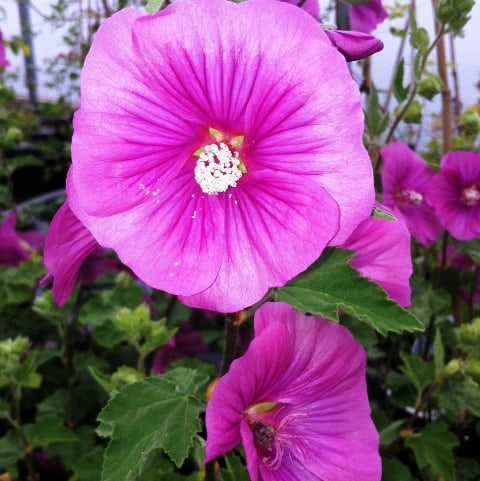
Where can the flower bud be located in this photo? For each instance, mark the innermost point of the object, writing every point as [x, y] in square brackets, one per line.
[413, 115]
[469, 122]
[429, 86]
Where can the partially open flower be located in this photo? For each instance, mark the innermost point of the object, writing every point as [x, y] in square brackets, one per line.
[297, 400]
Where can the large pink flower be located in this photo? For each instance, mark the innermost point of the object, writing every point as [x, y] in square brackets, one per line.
[365, 17]
[405, 178]
[455, 194]
[218, 147]
[383, 255]
[297, 400]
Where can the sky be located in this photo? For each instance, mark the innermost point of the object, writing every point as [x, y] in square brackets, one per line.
[48, 43]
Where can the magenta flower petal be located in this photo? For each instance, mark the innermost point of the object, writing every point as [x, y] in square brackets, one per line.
[180, 109]
[3, 54]
[276, 205]
[12, 252]
[354, 45]
[455, 194]
[297, 400]
[383, 255]
[67, 245]
[405, 178]
[365, 17]
[312, 7]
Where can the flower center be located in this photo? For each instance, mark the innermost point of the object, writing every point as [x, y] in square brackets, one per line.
[264, 437]
[470, 196]
[410, 196]
[217, 168]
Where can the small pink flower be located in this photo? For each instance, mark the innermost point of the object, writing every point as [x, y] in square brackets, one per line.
[365, 17]
[15, 246]
[405, 178]
[216, 156]
[455, 194]
[383, 255]
[3, 54]
[297, 401]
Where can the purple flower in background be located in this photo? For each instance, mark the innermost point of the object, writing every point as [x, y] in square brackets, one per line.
[365, 17]
[382, 249]
[455, 194]
[3, 54]
[352, 45]
[215, 156]
[297, 400]
[15, 246]
[405, 178]
[187, 342]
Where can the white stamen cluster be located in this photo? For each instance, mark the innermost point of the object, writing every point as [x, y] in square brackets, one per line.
[470, 196]
[217, 169]
[410, 196]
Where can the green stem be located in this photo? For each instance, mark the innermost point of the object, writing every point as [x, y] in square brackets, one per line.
[414, 86]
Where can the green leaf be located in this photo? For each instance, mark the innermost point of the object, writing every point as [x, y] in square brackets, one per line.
[391, 432]
[153, 6]
[26, 375]
[11, 449]
[399, 91]
[89, 467]
[4, 409]
[420, 373]
[375, 121]
[394, 470]
[332, 285]
[459, 396]
[157, 412]
[433, 448]
[235, 469]
[49, 429]
[470, 248]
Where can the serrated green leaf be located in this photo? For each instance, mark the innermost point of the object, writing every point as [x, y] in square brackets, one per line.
[390, 432]
[49, 429]
[399, 91]
[26, 375]
[332, 285]
[433, 447]
[421, 373]
[157, 412]
[375, 121]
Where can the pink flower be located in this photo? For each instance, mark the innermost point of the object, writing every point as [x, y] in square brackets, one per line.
[15, 246]
[383, 255]
[297, 400]
[3, 54]
[405, 178]
[365, 17]
[352, 45]
[455, 194]
[67, 246]
[215, 155]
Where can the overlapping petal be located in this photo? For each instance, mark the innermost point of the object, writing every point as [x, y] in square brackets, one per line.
[354, 45]
[67, 245]
[314, 373]
[383, 255]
